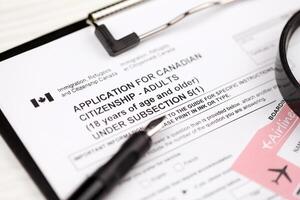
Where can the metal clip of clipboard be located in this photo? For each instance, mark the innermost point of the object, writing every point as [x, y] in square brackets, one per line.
[116, 47]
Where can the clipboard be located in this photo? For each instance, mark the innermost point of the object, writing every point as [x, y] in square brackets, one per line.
[7, 131]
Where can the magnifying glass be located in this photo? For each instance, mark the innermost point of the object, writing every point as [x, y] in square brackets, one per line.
[288, 63]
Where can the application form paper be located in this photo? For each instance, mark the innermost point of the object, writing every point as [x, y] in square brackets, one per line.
[212, 76]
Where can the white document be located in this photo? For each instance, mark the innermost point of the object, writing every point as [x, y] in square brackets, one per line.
[212, 76]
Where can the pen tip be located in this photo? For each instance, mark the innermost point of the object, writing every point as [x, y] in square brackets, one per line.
[155, 125]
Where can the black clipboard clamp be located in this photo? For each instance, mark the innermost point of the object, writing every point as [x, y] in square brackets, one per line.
[113, 46]
[116, 47]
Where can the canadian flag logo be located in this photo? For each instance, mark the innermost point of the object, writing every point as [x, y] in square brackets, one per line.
[42, 100]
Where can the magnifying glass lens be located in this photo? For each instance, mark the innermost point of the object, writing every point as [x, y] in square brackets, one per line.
[293, 54]
[288, 63]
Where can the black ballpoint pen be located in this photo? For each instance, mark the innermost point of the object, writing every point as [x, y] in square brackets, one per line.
[107, 176]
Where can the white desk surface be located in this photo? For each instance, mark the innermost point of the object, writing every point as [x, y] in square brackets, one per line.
[22, 21]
